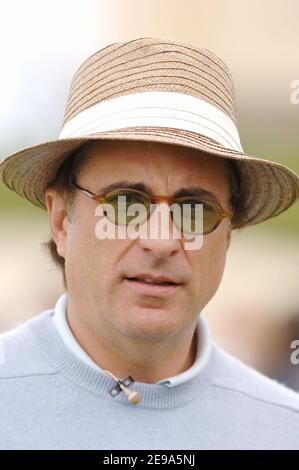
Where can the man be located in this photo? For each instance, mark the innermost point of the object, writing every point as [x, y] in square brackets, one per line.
[125, 360]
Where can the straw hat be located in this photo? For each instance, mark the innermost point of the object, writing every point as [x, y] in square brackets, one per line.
[154, 89]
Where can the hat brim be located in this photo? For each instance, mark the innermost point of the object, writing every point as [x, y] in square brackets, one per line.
[269, 187]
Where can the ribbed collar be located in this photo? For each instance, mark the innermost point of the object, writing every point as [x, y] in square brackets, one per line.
[64, 361]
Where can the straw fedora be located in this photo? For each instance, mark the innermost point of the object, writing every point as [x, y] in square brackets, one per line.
[154, 89]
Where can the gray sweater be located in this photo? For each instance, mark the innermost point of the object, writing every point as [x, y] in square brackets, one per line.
[51, 399]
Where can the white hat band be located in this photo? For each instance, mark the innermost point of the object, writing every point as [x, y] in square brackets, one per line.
[159, 109]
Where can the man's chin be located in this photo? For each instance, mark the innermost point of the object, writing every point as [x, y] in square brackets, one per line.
[152, 323]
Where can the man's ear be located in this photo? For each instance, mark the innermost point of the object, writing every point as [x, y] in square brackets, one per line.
[57, 215]
[228, 236]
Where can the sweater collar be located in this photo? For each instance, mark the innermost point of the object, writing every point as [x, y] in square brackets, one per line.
[202, 352]
[77, 373]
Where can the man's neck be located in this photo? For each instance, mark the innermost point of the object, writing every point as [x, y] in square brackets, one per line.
[151, 362]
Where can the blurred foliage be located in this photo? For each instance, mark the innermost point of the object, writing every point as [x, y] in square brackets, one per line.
[12, 204]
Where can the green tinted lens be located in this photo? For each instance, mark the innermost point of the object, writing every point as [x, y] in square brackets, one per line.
[188, 218]
[127, 205]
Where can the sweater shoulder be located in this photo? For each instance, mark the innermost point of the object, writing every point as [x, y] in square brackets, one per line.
[19, 353]
[231, 374]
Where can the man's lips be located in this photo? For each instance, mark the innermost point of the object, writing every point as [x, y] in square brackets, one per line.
[154, 278]
[152, 285]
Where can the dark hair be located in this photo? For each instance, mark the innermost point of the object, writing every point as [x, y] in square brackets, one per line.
[69, 169]
[237, 195]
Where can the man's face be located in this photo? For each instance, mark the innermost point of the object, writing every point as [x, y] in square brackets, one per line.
[97, 270]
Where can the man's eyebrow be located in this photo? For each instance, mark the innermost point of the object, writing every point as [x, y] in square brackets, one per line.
[190, 191]
[124, 184]
[196, 191]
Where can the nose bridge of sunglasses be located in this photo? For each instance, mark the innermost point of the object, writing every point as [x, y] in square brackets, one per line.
[161, 204]
[162, 198]
[160, 223]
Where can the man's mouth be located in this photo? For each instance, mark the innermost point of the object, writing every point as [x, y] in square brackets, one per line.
[150, 281]
[152, 286]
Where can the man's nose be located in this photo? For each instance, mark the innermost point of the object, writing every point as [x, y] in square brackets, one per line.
[159, 234]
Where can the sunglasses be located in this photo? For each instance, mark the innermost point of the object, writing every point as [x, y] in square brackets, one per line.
[212, 212]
